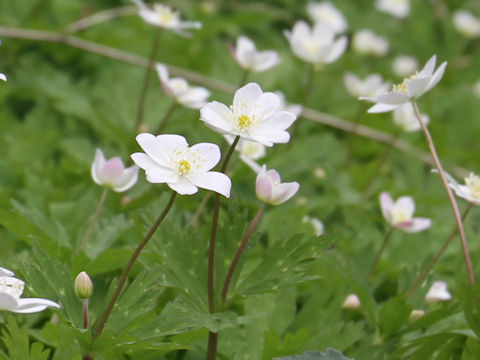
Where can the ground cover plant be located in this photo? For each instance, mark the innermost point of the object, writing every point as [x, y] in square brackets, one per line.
[216, 179]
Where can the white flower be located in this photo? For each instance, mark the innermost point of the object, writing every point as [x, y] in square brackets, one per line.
[400, 214]
[351, 302]
[271, 190]
[164, 17]
[404, 65]
[397, 8]
[247, 56]
[317, 44]
[373, 85]
[112, 173]
[470, 191]
[438, 293]
[466, 24]
[193, 97]
[325, 12]
[10, 291]
[411, 88]
[3, 77]
[168, 159]
[249, 151]
[296, 109]
[317, 224]
[404, 117]
[366, 42]
[254, 115]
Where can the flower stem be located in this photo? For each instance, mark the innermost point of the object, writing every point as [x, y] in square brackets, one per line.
[440, 252]
[212, 336]
[165, 118]
[85, 313]
[453, 203]
[379, 253]
[146, 80]
[239, 252]
[94, 220]
[243, 79]
[129, 266]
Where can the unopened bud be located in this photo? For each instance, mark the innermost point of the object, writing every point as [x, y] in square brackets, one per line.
[415, 315]
[83, 286]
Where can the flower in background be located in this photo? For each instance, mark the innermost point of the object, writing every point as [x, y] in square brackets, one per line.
[415, 315]
[316, 45]
[470, 191]
[438, 293]
[399, 214]
[112, 173]
[164, 17]
[411, 88]
[325, 12]
[476, 89]
[249, 151]
[193, 97]
[367, 42]
[466, 24]
[372, 86]
[397, 8]
[254, 116]
[271, 190]
[351, 302]
[317, 224]
[404, 65]
[296, 109]
[404, 117]
[247, 56]
[168, 159]
[10, 291]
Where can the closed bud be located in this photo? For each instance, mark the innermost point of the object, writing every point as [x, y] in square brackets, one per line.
[83, 286]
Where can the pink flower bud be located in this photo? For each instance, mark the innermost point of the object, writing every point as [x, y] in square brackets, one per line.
[271, 190]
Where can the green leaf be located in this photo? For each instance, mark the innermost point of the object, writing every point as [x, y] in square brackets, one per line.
[330, 354]
[393, 315]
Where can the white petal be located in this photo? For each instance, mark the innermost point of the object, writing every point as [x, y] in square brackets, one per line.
[245, 98]
[3, 77]
[266, 60]
[128, 179]
[162, 72]
[280, 120]
[283, 192]
[153, 148]
[210, 153]
[6, 272]
[437, 76]
[32, 305]
[337, 49]
[194, 97]
[418, 224]
[429, 66]
[7, 302]
[159, 175]
[217, 116]
[214, 181]
[393, 98]
[417, 87]
[406, 205]
[245, 51]
[183, 186]
[386, 204]
[97, 166]
[381, 108]
[143, 160]
[266, 104]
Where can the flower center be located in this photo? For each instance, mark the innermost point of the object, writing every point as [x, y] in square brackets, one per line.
[403, 86]
[400, 217]
[183, 167]
[473, 183]
[244, 121]
[165, 14]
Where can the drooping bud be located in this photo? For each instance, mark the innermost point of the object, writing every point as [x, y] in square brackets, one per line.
[83, 286]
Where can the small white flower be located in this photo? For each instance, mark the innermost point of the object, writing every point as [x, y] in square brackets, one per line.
[164, 17]
[295, 109]
[317, 224]
[193, 97]
[316, 45]
[399, 214]
[372, 86]
[404, 117]
[404, 65]
[254, 115]
[168, 159]
[351, 302]
[367, 42]
[470, 191]
[438, 293]
[112, 173]
[247, 56]
[325, 12]
[271, 190]
[411, 88]
[466, 24]
[397, 8]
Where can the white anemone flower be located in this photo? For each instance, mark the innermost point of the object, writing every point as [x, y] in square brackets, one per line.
[325, 12]
[438, 293]
[466, 24]
[396, 8]
[470, 191]
[371, 86]
[254, 116]
[247, 56]
[193, 97]
[112, 173]
[164, 17]
[270, 189]
[367, 42]
[411, 88]
[404, 117]
[316, 45]
[404, 65]
[168, 159]
[399, 214]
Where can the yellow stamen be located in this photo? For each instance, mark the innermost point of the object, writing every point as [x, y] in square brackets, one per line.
[244, 121]
[473, 183]
[183, 167]
[403, 86]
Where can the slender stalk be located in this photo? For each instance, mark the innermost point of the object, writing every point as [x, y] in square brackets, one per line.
[431, 264]
[165, 118]
[85, 313]
[379, 253]
[212, 336]
[129, 266]
[239, 252]
[94, 220]
[243, 79]
[451, 198]
[146, 80]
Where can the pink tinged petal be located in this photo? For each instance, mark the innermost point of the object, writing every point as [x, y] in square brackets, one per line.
[437, 76]
[183, 186]
[386, 204]
[32, 305]
[266, 60]
[429, 66]
[7, 302]
[3, 77]
[264, 188]
[393, 98]
[97, 167]
[381, 108]
[245, 98]
[283, 192]
[417, 87]
[245, 51]
[214, 181]
[418, 224]
[6, 272]
[218, 117]
[337, 49]
[406, 205]
[210, 153]
[159, 175]
[162, 72]
[112, 171]
[128, 179]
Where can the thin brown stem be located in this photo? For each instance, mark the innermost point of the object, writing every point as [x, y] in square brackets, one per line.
[451, 197]
[131, 262]
[239, 252]
[421, 278]
[94, 220]
[379, 253]
[146, 80]
[166, 117]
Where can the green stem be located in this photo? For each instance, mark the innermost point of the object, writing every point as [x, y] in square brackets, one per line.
[85, 313]
[94, 220]
[130, 264]
[165, 118]
[379, 253]
[243, 79]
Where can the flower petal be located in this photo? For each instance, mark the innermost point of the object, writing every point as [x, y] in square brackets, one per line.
[143, 160]
[97, 166]
[283, 192]
[337, 49]
[381, 108]
[183, 186]
[418, 86]
[7, 302]
[217, 116]
[437, 76]
[386, 204]
[406, 205]
[266, 104]
[32, 305]
[159, 175]
[162, 72]
[429, 66]
[158, 147]
[393, 98]
[6, 272]
[245, 98]
[128, 179]
[214, 181]
[265, 60]
[418, 224]
[210, 154]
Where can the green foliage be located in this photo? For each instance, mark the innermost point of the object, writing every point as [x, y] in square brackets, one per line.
[330, 354]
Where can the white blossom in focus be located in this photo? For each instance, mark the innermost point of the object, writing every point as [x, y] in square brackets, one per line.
[404, 65]
[168, 159]
[396, 8]
[371, 86]
[367, 42]
[270, 189]
[193, 97]
[404, 117]
[247, 56]
[325, 12]
[438, 293]
[112, 173]
[466, 24]
[470, 191]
